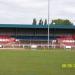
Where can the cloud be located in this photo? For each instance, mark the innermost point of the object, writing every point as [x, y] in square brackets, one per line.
[23, 11]
[62, 9]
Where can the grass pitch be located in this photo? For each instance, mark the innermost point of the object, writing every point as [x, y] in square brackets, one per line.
[36, 62]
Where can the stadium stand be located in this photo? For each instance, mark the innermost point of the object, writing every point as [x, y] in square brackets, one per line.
[20, 35]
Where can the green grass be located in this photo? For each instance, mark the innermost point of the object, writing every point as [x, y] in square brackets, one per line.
[36, 62]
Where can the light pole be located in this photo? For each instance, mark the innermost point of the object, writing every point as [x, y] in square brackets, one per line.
[48, 21]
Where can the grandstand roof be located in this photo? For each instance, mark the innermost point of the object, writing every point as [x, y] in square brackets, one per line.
[36, 26]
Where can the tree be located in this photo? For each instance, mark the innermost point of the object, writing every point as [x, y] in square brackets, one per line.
[67, 22]
[61, 22]
[45, 23]
[40, 22]
[34, 21]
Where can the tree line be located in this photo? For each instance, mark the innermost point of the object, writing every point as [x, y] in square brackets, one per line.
[41, 22]
[56, 22]
[61, 22]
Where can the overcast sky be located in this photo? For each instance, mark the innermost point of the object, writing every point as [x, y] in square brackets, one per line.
[23, 11]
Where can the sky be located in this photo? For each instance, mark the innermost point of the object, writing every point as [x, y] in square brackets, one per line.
[23, 11]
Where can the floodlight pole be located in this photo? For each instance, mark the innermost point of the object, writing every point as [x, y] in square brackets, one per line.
[48, 21]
